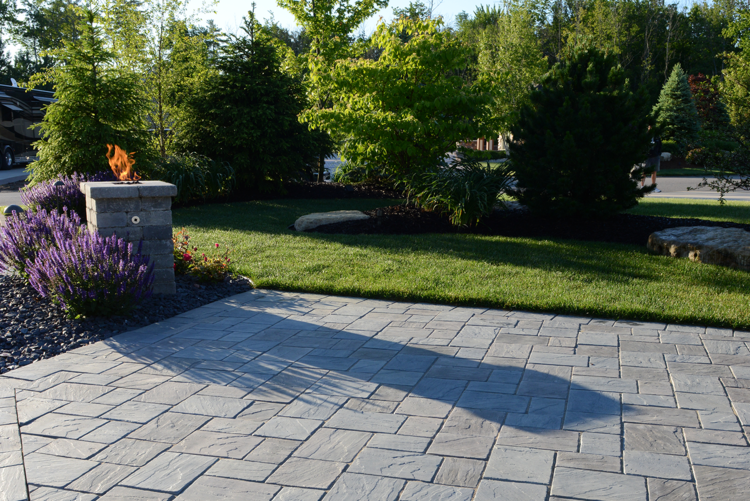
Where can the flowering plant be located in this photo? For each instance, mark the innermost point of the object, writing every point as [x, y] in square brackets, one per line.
[24, 235]
[88, 274]
[47, 195]
[206, 268]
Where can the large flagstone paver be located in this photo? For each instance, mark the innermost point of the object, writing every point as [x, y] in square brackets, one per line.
[283, 396]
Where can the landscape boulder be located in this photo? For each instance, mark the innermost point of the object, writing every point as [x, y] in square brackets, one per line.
[310, 221]
[704, 244]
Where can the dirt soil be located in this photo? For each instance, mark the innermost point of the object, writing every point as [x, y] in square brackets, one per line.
[622, 228]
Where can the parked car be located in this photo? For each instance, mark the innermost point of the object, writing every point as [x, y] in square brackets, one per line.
[19, 109]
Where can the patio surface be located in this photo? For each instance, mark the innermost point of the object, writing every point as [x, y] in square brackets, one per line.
[284, 396]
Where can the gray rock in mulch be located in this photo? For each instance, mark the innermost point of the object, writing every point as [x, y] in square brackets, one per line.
[704, 244]
[312, 221]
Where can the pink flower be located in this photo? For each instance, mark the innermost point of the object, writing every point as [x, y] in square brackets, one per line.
[217, 245]
[187, 256]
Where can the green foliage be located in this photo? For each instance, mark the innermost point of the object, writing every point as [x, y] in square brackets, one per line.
[712, 113]
[482, 154]
[246, 114]
[211, 267]
[510, 60]
[466, 190]
[575, 145]
[198, 178]
[98, 103]
[404, 112]
[675, 112]
[670, 146]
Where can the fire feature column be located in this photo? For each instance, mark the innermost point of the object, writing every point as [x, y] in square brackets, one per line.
[135, 211]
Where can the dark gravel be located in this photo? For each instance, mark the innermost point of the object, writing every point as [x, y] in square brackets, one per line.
[622, 228]
[32, 328]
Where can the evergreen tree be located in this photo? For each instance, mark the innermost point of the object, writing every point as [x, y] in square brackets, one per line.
[97, 104]
[675, 112]
[575, 144]
[246, 114]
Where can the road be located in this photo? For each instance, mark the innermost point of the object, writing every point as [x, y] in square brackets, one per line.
[677, 187]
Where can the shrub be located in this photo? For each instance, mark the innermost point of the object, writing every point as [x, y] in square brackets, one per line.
[25, 235]
[675, 112]
[575, 146]
[670, 146]
[197, 177]
[46, 195]
[91, 275]
[404, 111]
[466, 191]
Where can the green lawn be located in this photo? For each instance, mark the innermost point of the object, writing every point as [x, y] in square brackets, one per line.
[562, 276]
[738, 212]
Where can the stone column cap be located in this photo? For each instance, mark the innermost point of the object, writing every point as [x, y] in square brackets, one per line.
[118, 189]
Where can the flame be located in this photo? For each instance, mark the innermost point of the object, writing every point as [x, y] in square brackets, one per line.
[121, 164]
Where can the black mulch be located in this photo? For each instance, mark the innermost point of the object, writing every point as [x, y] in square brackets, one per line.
[32, 328]
[622, 228]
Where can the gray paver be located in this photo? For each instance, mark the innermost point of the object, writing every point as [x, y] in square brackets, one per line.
[656, 465]
[209, 443]
[597, 486]
[720, 484]
[365, 421]
[521, 465]
[460, 472]
[289, 428]
[490, 490]
[332, 444]
[365, 488]
[169, 472]
[300, 472]
[102, 478]
[298, 494]
[724, 456]
[241, 470]
[127, 494]
[13, 482]
[399, 464]
[207, 487]
[670, 490]
[420, 491]
[650, 438]
[130, 452]
[54, 471]
[170, 427]
[449, 444]
[212, 406]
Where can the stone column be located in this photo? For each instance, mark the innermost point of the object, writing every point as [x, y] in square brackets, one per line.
[134, 212]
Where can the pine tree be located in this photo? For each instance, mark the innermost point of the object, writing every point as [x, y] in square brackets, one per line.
[246, 114]
[675, 112]
[97, 104]
[576, 142]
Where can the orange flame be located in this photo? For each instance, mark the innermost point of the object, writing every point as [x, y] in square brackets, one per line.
[121, 164]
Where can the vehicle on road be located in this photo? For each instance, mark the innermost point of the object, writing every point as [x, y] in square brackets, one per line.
[20, 108]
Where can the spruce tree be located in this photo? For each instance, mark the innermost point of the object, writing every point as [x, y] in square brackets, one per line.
[576, 143]
[675, 112]
[98, 103]
[246, 115]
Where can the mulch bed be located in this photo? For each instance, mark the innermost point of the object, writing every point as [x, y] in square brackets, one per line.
[622, 228]
[32, 328]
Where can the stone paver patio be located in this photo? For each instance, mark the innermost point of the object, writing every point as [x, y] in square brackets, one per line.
[285, 396]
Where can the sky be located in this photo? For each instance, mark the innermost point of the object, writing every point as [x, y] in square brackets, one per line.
[228, 13]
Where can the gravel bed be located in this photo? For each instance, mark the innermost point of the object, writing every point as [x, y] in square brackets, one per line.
[32, 328]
